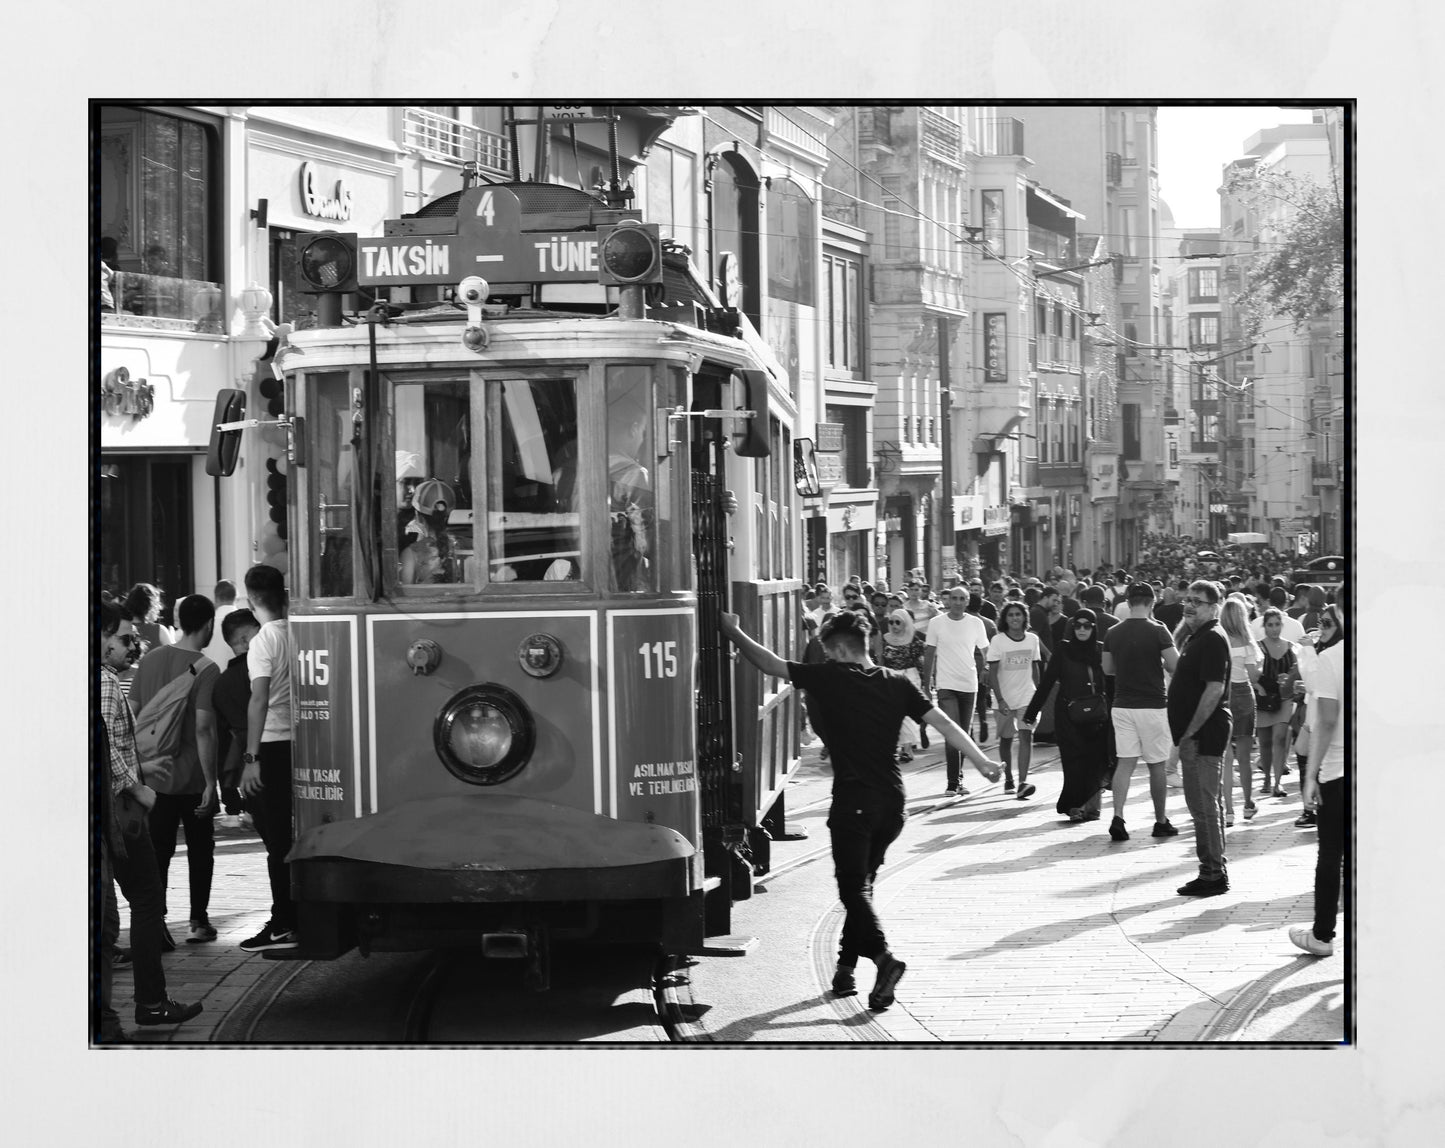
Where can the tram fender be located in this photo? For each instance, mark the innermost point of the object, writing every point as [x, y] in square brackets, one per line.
[492, 832]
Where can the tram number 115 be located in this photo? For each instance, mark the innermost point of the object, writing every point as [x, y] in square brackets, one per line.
[312, 664]
[661, 654]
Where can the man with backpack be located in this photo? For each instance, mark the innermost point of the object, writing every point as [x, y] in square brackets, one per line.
[176, 743]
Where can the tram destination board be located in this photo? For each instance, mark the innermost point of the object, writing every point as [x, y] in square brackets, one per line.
[489, 242]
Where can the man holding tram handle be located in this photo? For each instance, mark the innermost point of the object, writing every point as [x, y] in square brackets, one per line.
[862, 706]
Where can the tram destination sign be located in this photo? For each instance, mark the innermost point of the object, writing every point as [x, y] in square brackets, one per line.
[489, 242]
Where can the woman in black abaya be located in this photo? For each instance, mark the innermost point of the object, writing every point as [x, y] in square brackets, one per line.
[1084, 749]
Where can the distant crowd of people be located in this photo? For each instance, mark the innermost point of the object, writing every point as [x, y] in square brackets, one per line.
[1194, 674]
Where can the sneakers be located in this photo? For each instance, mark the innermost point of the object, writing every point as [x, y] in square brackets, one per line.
[1008, 785]
[168, 1012]
[270, 938]
[904, 756]
[1199, 887]
[890, 972]
[1164, 829]
[121, 959]
[1307, 820]
[1304, 938]
[1229, 821]
[229, 821]
[1117, 830]
[843, 983]
[1026, 790]
[954, 792]
[201, 932]
[1250, 811]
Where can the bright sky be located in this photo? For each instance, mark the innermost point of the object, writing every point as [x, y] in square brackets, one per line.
[1195, 142]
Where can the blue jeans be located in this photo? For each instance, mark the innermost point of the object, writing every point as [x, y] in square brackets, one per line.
[959, 706]
[1203, 777]
[860, 839]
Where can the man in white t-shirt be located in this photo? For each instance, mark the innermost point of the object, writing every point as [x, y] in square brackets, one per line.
[1323, 785]
[266, 772]
[225, 598]
[953, 661]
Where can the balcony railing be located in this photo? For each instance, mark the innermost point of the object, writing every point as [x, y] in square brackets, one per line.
[940, 135]
[442, 137]
[800, 128]
[1002, 136]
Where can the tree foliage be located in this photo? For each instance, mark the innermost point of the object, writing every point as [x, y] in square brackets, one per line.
[1299, 274]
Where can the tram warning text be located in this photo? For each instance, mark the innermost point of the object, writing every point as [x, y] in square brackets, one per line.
[662, 777]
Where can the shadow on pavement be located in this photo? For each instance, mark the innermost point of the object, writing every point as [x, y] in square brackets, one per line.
[750, 1027]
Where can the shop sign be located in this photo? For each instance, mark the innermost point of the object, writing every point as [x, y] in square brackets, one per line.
[996, 515]
[1075, 509]
[995, 347]
[830, 469]
[1103, 478]
[830, 437]
[335, 206]
[122, 395]
[967, 511]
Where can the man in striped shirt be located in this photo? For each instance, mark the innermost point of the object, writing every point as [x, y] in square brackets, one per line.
[135, 868]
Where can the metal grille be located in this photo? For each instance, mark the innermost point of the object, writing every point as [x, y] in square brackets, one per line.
[714, 683]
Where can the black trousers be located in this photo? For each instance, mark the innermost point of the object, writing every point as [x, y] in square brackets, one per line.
[178, 811]
[1332, 828]
[860, 840]
[271, 812]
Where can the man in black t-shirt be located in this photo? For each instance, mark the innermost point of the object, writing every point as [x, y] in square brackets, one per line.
[862, 707]
[1200, 724]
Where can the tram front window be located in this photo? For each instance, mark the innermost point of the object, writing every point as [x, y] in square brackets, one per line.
[433, 484]
[534, 528]
[330, 518]
[632, 504]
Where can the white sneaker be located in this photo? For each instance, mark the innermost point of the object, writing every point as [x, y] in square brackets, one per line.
[229, 820]
[950, 793]
[1304, 937]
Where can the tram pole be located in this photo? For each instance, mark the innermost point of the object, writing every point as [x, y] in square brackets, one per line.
[949, 555]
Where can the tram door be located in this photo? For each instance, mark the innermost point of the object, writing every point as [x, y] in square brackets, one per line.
[724, 836]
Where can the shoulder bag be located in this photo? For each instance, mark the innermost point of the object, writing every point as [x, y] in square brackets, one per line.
[1089, 710]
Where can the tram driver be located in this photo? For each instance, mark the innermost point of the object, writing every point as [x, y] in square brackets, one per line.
[431, 558]
[630, 492]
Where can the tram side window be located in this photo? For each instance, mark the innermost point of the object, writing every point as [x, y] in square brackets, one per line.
[534, 527]
[632, 505]
[331, 469]
[433, 484]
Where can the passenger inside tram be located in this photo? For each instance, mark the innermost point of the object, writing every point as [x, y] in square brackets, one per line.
[631, 503]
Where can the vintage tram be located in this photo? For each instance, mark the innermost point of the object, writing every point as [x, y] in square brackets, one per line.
[515, 507]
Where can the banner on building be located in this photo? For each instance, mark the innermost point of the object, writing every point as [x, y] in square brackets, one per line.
[995, 347]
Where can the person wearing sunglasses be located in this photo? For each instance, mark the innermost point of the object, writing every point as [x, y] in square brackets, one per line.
[1200, 724]
[1077, 669]
[1323, 783]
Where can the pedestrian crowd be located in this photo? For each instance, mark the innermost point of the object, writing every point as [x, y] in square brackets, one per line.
[1196, 666]
[194, 723]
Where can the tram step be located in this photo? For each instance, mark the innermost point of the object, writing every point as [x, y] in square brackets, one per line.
[725, 945]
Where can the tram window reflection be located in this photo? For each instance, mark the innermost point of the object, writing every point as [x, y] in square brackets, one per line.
[631, 501]
[331, 470]
[534, 527]
[433, 484]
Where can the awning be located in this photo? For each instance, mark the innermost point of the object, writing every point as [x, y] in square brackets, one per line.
[1054, 203]
[1247, 538]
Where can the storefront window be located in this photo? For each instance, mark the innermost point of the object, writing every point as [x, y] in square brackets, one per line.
[332, 470]
[433, 485]
[534, 525]
[159, 182]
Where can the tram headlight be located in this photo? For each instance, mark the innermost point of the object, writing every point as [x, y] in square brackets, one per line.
[485, 734]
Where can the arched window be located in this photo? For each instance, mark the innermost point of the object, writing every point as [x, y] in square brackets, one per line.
[735, 226]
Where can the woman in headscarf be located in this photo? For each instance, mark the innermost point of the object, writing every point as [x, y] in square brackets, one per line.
[1077, 668]
[902, 649]
[431, 557]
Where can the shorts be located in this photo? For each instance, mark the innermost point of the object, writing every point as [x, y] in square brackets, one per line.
[1142, 733]
[1008, 724]
[1241, 709]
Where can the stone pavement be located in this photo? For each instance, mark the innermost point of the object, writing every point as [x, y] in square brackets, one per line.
[1019, 926]
[1016, 925]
